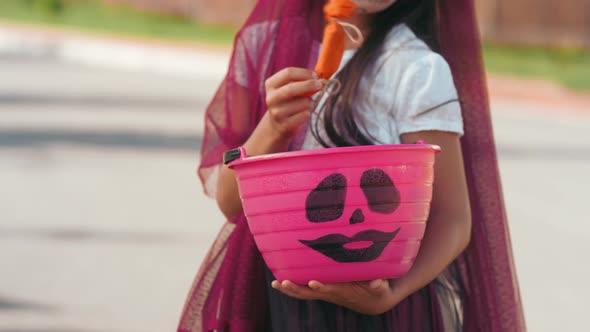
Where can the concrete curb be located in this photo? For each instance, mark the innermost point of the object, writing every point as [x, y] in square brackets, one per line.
[111, 53]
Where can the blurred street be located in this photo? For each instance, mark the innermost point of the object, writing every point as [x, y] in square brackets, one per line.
[103, 223]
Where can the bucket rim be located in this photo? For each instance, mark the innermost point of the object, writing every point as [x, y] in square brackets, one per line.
[244, 159]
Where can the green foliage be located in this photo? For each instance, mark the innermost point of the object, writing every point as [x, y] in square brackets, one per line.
[96, 16]
[568, 66]
[48, 7]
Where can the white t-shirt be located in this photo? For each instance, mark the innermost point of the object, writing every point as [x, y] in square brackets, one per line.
[399, 92]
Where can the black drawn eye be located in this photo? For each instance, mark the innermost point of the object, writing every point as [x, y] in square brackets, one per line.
[382, 195]
[326, 201]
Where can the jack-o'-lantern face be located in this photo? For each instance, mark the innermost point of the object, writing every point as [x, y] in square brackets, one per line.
[326, 203]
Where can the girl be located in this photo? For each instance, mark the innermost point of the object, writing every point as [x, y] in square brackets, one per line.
[396, 88]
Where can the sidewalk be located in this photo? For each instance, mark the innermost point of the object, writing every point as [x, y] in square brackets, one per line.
[210, 62]
[134, 54]
[549, 96]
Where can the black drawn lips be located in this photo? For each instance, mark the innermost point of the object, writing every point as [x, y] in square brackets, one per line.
[332, 245]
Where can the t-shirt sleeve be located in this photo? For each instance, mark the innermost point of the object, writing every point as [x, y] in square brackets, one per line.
[426, 97]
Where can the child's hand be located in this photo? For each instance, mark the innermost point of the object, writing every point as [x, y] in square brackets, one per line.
[287, 109]
[367, 297]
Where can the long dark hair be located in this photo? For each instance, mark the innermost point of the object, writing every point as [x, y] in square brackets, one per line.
[339, 119]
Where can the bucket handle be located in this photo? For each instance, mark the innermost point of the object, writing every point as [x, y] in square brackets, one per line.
[234, 154]
[436, 148]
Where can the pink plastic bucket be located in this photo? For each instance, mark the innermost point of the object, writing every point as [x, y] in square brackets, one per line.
[339, 214]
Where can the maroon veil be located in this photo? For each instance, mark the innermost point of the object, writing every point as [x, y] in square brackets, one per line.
[230, 291]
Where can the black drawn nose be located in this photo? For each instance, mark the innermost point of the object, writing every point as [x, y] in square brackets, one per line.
[357, 217]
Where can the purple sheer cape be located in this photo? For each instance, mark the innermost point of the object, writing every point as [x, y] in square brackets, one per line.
[230, 291]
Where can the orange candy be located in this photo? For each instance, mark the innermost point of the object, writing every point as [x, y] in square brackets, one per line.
[333, 45]
[334, 40]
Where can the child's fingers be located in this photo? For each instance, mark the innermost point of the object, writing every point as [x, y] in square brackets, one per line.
[292, 90]
[285, 110]
[378, 287]
[318, 286]
[284, 289]
[287, 75]
[297, 120]
[293, 294]
[332, 289]
[297, 291]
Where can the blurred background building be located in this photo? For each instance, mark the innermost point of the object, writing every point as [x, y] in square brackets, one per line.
[535, 22]
[538, 22]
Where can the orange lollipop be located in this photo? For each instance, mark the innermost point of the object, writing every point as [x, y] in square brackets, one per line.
[334, 39]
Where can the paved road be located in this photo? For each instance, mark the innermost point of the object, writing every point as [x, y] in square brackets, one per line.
[103, 223]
